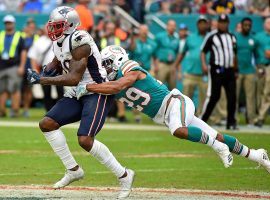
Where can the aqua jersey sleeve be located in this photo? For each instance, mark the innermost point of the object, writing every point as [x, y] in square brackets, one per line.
[131, 65]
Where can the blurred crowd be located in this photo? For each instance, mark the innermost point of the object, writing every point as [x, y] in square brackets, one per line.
[138, 7]
[172, 56]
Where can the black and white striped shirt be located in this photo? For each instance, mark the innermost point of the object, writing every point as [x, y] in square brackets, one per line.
[222, 47]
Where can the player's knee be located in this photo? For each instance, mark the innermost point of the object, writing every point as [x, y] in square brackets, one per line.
[86, 142]
[220, 137]
[181, 133]
[47, 124]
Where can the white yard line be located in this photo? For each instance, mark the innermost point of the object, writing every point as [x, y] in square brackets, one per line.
[137, 170]
[136, 127]
[72, 192]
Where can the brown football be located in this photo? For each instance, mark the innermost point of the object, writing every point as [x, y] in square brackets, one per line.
[51, 66]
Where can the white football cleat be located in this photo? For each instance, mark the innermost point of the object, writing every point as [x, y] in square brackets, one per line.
[264, 160]
[224, 153]
[70, 176]
[126, 184]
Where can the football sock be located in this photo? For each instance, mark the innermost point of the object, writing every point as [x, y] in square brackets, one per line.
[105, 157]
[197, 135]
[235, 146]
[59, 145]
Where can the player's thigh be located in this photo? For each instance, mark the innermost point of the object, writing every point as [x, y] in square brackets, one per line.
[66, 111]
[181, 113]
[95, 109]
[13, 80]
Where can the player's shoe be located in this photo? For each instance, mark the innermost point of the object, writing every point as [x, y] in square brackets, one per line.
[70, 176]
[126, 184]
[264, 159]
[224, 153]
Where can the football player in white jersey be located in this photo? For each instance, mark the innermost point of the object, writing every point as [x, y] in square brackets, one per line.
[80, 59]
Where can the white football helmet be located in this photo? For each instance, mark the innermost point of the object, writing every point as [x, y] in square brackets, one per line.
[113, 57]
[63, 21]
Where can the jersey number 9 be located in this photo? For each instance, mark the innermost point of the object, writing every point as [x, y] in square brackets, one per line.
[133, 95]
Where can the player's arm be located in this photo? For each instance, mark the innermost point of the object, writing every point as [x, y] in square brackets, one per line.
[77, 68]
[114, 87]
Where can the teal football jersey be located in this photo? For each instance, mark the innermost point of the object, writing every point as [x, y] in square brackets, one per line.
[145, 95]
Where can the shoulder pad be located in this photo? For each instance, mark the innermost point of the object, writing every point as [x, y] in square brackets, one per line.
[129, 66]
[80, 38]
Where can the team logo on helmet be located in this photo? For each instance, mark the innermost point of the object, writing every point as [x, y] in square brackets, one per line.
[65, 11]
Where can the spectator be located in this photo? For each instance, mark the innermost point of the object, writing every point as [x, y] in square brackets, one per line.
[49, 5]
[259, 7]
[180, 6]
[165, 7]
[206, 7]
[32, 6]
[138, 9]
[222, 7]
[41, 54]
[29, 36]
[103, 7]
[69, 3]
[241, 6]
[246, 78]
[263, 66]
[193, 77]
[142, 48]
[12, 64]
[195, 6]
[108, 39]
[10, 6]
[223, 69]
[85, 14]
[123, 4]
[213, 24]
[183, 33]
[238, 28]
[167, 48]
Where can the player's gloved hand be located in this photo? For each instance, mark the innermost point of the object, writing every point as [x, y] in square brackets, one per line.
[70, 92]
[80, 91]
[33, 77]
[48, 72]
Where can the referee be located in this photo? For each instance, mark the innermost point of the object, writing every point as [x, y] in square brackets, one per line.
[222, 70]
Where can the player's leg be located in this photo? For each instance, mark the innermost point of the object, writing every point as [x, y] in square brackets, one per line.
[212, 96]
[65, 111]
[181, 113]
[260, 156]
[95, 110]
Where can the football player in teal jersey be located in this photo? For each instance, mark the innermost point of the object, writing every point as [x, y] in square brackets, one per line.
[135, 87]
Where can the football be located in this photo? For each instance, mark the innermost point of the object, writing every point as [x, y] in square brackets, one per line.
[51, 67]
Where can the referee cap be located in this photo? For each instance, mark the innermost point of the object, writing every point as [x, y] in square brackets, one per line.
[223, 18]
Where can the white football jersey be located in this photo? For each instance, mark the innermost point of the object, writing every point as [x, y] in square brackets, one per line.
[94, 72]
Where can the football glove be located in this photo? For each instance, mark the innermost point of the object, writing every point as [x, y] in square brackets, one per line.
[80, 91]
[33, 77]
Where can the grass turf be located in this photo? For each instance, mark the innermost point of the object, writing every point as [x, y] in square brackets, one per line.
[159, 160]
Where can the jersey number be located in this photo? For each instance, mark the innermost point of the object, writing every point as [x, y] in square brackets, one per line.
[133, 94]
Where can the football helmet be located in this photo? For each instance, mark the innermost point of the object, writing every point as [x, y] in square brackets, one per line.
[63, 21]
[112, 58]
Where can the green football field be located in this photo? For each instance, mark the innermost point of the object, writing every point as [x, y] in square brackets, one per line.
[160, 160]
